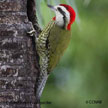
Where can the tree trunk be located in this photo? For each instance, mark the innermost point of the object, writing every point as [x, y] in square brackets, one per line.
[18, 58]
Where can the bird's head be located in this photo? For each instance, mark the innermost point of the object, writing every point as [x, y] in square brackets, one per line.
[65, 15]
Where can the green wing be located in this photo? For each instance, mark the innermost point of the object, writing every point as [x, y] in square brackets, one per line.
[58, 41]
[51, 45]
[42, 47]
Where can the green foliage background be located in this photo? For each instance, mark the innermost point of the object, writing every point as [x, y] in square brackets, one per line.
[82, 73]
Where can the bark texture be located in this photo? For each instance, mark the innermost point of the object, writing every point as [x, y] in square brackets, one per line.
[18, 66]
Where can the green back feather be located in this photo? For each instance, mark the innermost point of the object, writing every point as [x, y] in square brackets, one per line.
[55, 45]
[58, 42]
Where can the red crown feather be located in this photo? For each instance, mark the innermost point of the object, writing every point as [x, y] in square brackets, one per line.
[72, 15]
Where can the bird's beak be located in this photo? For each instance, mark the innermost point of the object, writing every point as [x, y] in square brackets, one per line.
[51, 7]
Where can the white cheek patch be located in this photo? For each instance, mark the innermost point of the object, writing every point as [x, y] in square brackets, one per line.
[59, 16]
[59, 19]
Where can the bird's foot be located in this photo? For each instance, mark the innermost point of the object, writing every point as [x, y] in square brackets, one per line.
[31, 33]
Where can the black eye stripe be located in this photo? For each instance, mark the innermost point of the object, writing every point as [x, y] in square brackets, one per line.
[64, 16]
[61, 11]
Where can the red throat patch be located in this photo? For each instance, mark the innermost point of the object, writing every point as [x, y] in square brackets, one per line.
[54, 18]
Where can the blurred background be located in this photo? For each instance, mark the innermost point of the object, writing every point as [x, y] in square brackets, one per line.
[82, 73]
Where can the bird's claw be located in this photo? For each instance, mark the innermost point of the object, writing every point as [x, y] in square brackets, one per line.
[32, 32]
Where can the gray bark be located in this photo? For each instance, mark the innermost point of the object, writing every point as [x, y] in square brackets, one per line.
[18, 62]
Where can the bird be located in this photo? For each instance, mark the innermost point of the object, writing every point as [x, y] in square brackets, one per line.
[53, 41]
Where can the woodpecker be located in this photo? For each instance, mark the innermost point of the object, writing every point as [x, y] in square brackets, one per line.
[53, 41]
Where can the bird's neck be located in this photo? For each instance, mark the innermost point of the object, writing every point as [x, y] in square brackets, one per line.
[61, 21]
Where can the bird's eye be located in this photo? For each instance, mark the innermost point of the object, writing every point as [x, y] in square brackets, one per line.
[59, 9]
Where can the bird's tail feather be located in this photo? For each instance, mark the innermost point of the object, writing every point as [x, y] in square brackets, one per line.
[40, 84]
